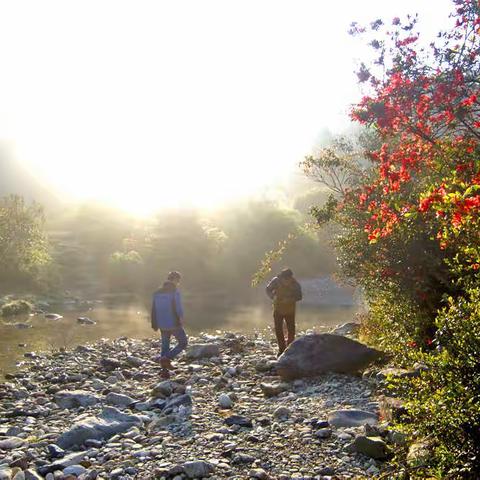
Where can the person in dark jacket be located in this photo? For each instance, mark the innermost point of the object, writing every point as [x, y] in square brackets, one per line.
[167, 316]
[285, 292]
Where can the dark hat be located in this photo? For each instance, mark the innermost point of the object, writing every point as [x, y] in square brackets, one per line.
[172, 276]
[286, 273]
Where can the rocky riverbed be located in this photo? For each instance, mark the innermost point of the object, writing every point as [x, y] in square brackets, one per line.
[103, 411]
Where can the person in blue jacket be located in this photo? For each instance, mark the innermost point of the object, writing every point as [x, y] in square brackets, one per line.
[167, 316]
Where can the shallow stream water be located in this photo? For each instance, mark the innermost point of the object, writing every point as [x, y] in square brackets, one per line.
[132, 320]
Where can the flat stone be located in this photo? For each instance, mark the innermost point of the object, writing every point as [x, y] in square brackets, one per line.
[198, 351]
[110, 363]
[198, 469]
[118, 399]
[67, 461]
[273, 389]
[11, 443]
[135, 361]
[239, 420]
[350, 328]
[74, 470]
[110, 422]
[352, 418]
[185, 400]
[75, 399]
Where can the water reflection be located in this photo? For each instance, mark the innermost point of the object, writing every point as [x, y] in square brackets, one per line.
[133, 321]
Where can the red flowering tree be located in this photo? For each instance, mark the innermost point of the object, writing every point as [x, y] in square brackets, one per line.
[409, 223]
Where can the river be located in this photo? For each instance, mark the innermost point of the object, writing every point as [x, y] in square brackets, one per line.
[132, 320]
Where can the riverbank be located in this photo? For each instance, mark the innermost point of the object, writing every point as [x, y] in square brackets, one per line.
[229, 413]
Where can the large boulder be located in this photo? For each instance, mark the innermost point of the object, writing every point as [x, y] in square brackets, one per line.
[110, 422]
[313, 355]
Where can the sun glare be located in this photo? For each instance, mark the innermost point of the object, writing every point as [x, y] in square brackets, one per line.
[165, 104]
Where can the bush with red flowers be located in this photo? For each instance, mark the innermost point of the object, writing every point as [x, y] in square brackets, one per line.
[408, 224]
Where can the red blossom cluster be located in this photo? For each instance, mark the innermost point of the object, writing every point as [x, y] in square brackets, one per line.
[428, 115]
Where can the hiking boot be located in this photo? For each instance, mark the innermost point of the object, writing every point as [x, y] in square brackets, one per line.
[166, 363]
[164, 373]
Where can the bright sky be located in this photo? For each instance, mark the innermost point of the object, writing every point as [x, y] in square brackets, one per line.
[157, 103]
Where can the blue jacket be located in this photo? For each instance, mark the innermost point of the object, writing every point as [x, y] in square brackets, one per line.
[167, 308]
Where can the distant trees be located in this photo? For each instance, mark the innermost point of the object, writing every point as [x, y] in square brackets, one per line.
[23, 243]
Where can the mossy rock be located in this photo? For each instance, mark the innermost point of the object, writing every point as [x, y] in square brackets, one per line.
[16, 307]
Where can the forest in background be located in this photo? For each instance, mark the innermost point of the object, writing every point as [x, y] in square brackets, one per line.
[88, 248]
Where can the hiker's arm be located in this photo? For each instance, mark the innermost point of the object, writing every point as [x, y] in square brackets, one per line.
[298, 292]
[179, 307]
[153, 317]
[271, 287]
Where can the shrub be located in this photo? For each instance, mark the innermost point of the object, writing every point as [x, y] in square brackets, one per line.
[16, 307]
[408, 226]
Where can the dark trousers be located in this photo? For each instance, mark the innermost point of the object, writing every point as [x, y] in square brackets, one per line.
[182, 342]
[280, 320]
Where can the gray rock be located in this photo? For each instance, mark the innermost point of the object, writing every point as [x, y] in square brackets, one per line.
[239, 420]
[5, 473]
[14, 431]
[259, 473]
[198, 469]
[110, 363]
[67, 461]
[163, 389]
[312, 355]
[282, 412]
[21, 326]
[273, 389]
[11, 442]
[75, 399]
[350, 328]
[243, 458]
[225, 401]
[53, 316]
[207, 350]
[352, 418]
[55, 451]
[135, 361]
[110, 422]
[373, 447]
[74, 470]
[185, 400]
[32, 475]
[118, 399]
[86, 321]
[323, 433]
[116, 473]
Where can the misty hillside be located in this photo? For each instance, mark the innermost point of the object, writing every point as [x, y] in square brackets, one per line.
[14, 179]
